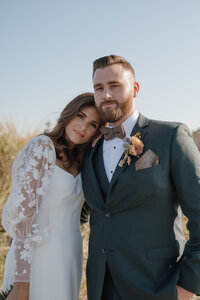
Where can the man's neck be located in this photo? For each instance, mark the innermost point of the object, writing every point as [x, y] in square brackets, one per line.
[114, 124]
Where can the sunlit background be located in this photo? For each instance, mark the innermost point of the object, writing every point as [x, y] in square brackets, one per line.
[47, 48]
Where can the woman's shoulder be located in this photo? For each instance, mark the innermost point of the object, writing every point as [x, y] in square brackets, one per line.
[39, 146]
[39, 151]
[42, 141]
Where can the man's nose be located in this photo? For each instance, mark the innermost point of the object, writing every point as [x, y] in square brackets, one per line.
[106, 94]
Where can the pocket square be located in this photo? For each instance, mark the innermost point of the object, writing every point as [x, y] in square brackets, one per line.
[147, 160]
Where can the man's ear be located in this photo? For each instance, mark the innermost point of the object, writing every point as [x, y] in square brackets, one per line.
[136, 87]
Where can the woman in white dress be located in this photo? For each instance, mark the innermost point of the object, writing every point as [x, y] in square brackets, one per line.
[42, 213]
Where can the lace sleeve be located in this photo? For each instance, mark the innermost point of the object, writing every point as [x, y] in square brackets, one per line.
[31, 172]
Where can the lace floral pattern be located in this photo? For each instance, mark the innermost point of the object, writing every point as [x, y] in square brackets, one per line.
[31, 172]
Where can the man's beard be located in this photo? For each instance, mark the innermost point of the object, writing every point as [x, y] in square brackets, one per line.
[113, 115]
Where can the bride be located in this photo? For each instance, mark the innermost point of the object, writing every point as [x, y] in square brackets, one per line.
[42, 213]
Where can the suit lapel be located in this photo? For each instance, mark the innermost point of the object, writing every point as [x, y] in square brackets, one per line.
[92, 175]
[140, 126]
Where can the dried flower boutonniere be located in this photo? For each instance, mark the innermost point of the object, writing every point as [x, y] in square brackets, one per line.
[132, 146]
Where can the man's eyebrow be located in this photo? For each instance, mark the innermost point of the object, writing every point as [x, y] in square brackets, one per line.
[109, 82]
[114, 81]
[97, 84]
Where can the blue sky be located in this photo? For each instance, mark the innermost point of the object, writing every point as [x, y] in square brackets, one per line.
[47, 48]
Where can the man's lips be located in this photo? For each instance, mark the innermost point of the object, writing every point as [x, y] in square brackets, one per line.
[78, 133]
[107, 104]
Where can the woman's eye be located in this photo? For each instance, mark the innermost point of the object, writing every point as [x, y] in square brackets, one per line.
[93, 125]
[80, 116]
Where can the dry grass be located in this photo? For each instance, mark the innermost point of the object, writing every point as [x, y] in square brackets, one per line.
[85, 234]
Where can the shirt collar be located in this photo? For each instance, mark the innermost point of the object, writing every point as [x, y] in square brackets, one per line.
[130, 123]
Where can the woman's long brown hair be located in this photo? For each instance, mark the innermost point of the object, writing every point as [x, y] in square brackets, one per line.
[74, 155]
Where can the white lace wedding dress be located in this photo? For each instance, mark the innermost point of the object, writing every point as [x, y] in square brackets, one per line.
[42, 215]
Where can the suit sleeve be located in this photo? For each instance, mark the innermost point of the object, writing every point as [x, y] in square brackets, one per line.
[185, 171]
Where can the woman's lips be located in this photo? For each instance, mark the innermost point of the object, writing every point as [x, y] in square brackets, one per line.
[78, 133]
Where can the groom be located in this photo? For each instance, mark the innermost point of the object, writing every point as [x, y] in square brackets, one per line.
[135, 237]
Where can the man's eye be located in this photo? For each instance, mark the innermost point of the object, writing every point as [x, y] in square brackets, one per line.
[98, 89]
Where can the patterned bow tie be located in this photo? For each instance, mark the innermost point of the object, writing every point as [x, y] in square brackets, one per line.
[113, 132]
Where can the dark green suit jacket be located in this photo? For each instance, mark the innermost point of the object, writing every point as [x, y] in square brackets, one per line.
[132, 226]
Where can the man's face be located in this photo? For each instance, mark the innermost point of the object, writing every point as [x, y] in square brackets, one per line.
[114, 91]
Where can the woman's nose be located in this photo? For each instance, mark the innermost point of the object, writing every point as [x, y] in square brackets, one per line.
[83, 126]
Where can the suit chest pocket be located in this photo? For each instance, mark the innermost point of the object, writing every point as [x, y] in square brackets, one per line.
[147, 171]
[150, 180]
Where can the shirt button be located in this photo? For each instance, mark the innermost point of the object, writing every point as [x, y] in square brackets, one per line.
[108, 214]
[103, 251]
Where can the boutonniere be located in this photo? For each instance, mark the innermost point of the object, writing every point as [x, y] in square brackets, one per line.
[132, 146]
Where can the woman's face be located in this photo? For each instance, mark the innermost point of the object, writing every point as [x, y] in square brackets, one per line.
[83, 126]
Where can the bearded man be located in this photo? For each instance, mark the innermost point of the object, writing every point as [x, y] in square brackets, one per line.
[135, 180]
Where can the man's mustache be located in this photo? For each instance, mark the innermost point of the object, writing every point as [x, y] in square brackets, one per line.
[108, 102]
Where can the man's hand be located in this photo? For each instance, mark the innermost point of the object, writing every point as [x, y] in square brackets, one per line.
[96, 139]
[184, 294]
[20, 291]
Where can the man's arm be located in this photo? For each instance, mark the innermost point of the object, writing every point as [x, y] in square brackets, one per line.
[185, 171]
[85, 213]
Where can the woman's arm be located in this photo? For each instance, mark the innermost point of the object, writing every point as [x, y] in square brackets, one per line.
[31, 173]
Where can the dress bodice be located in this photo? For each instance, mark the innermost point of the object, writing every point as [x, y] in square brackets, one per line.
[63, 201]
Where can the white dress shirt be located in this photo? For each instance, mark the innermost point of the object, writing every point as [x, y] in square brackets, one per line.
[113, 149]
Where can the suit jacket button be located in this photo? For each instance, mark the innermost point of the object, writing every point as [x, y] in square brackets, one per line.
[104, 251]
[108, 214]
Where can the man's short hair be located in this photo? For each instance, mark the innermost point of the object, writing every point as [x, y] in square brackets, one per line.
[109, 60]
